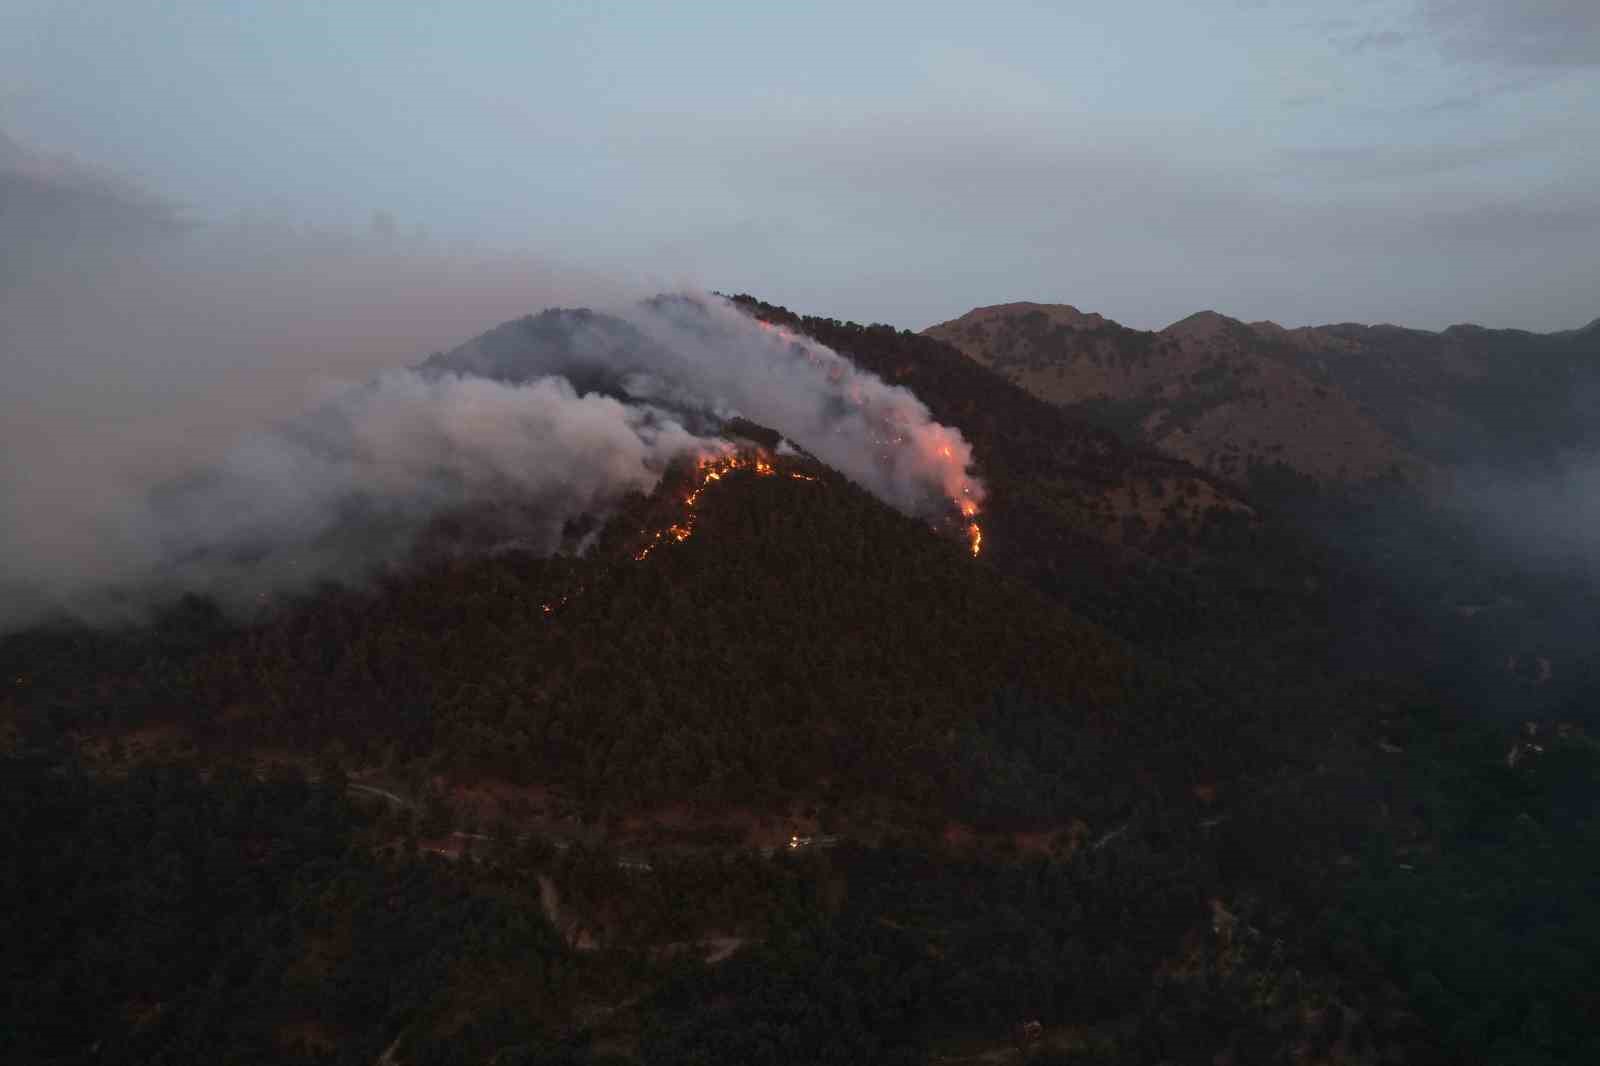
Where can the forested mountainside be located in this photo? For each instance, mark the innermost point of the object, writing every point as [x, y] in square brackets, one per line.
[804, 633]
[775, 773]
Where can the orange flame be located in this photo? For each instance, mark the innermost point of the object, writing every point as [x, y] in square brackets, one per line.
[952, 455]
[709, 468]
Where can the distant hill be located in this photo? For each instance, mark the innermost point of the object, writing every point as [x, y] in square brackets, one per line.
[1465, 394]
[1339, 403]
[1213, 391]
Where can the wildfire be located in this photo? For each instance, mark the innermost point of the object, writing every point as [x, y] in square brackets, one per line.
[969, 511]
[708, 469]
[950, 454]
[552, 606]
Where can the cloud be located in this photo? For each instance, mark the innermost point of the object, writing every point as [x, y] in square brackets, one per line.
[1394, 161]
[1479, 96]
[56, 209]
[1540, 33]
[1510, 225]
[11, 154]
[1373, 41]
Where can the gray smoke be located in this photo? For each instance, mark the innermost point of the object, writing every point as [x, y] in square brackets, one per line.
[699, 355]
[216, 410]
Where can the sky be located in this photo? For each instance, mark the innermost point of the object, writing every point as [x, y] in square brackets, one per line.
[1423, 162]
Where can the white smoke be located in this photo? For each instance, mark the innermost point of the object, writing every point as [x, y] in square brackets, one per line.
[172, 422]
[878, 434]
[697, 353]
[345, 487]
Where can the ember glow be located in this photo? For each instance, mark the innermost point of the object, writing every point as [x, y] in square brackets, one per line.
[899, 440]
[714, 467]
[708, 469]
[969, 511]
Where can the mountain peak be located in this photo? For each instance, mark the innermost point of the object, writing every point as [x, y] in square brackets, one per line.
[1203, 324]
[1055, 314]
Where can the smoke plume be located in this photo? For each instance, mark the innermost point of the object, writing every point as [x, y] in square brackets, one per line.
[228, 412]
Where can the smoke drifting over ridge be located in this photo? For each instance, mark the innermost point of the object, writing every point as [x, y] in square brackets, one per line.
[175, 419]
[701, 358]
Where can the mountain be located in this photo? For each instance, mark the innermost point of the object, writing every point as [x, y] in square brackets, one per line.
[762, 761]
[1465, 394]
[1338, 403]
[1046, 472]
[1211, 390]
[1158, 551]
[783, 631]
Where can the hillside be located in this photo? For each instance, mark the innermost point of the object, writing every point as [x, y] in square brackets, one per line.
[799, 633]
[1025, 810]
[1339, 403]
[774, 771]
[1158, 551]
[1210, 390]
[1465, 394]
[1049, 475]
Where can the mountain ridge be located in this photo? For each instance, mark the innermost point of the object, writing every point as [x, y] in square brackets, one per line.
[1100, 779]
[1341, 402]
[1205, 389]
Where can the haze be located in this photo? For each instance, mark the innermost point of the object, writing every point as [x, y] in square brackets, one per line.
[1423, 163]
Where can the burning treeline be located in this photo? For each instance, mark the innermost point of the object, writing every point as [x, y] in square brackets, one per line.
[557, 418]
[709, 469]
[928, 442]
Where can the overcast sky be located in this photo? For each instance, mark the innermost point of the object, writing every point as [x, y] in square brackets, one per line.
[1389, 160]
